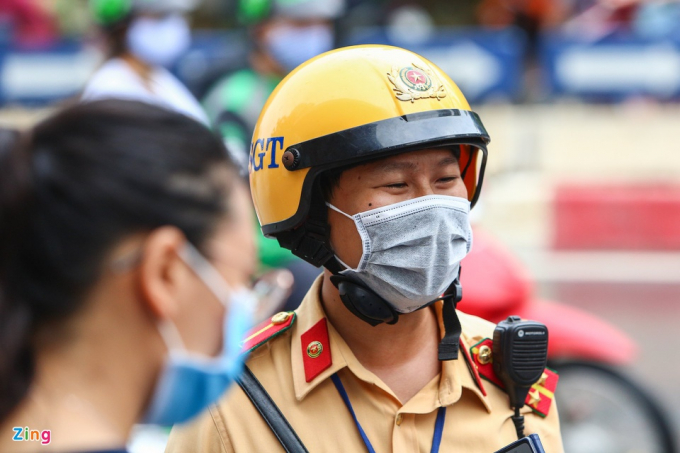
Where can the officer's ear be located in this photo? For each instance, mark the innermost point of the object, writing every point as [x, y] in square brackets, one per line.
[162, 271]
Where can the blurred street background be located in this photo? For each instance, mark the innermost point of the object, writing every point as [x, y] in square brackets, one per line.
[580, 97]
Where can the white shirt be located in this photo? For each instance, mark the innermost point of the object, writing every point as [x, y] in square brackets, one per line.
[116, 79]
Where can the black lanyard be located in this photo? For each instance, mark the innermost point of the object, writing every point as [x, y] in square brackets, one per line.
[438, 425]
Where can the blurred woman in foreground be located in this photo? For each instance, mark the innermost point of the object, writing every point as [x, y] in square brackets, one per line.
[126, 247]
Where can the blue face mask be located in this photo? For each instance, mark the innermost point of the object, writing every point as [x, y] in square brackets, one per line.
[291, 46]
[159, 42]
[190, 382]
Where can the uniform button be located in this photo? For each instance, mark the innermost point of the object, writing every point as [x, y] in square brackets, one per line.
[484, 356]
[314, 349]
[399, 419]
[280, 318]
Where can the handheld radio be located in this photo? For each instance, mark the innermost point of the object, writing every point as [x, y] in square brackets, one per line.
[529, 444]
[520, 354]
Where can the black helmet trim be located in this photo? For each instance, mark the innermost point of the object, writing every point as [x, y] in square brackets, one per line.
[434, 129]
[366, 142]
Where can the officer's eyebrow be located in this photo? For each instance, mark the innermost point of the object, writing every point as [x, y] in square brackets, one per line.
[448, 161]
[397, 166]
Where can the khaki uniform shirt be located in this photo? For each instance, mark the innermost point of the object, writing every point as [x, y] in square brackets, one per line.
[474, 422]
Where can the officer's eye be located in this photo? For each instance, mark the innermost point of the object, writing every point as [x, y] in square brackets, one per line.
[396, 185]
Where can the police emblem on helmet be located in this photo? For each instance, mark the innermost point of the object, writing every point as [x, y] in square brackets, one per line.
[415, 79]
[413, 82]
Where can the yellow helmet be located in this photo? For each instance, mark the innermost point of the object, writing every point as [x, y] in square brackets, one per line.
[346, 107]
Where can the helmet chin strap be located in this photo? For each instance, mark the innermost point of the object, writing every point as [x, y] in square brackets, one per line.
[363, 302]
[448, 346]
[368, 306]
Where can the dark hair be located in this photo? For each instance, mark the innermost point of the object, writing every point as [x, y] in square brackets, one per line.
[8, 138]
[73, 187]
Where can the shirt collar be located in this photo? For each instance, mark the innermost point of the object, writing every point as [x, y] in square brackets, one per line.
[454, 377]
[309, 313]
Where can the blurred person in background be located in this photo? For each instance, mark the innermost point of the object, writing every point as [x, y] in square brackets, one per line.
[284, 34]
[144, 37]
[126, 251]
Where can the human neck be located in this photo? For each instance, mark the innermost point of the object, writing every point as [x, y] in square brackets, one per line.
[403, 355]
[89, 390]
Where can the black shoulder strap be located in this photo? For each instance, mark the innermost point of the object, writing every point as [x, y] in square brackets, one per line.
[270, 413]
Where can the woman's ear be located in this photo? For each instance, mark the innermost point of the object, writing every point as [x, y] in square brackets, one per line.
[162, 271]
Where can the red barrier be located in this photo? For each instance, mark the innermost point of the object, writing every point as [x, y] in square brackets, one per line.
[625, 217]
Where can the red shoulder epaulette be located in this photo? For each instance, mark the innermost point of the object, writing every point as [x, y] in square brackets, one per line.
[540, 395]
[267, 330]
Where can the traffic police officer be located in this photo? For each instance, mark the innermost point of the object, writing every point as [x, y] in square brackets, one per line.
[366, 160]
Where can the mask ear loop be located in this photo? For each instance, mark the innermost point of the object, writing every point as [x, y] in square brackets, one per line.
[207, 273]
[341, 212]
[337, 258]
[167, 329]
[170, 335]
[355, 295]
[211, 277]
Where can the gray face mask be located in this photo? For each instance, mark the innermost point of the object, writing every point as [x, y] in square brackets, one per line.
[412, 250]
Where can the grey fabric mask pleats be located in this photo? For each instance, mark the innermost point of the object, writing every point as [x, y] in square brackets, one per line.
[412, 250]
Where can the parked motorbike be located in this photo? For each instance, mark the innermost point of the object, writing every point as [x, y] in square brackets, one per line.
[602, 410]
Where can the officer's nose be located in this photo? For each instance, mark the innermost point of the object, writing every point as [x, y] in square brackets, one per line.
[424, 188]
